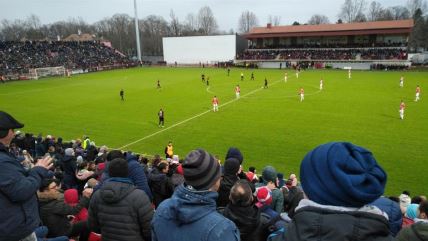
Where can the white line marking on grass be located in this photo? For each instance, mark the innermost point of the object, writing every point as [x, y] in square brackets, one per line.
[209, 91]
[191, 118]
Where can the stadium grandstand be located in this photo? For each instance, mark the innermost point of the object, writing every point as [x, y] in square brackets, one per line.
[358, 45]
[75, 54]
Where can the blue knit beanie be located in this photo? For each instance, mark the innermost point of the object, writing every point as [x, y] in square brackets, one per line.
[234, 152]
[395, 218]
[341, 174]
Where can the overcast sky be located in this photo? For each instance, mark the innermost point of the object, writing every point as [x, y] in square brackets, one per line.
[227, 12]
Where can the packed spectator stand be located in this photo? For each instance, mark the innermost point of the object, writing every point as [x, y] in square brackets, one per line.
[17, 57]
[317, 52]
[91, 192]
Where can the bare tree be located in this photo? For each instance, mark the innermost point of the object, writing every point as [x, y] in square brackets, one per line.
[247, 21]
[361, 17]
[12, 31]
[351, 9]
[275, 20]
[414, 5]
[153, 29]
[385, 15]
[191, 21]
[318, 19]
[206, 21]
[374, 12]
[400, 12]
[174, 24]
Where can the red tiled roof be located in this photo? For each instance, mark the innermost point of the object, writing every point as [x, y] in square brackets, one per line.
[404, 26]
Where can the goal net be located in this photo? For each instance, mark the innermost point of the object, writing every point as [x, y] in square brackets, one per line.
[37, 73]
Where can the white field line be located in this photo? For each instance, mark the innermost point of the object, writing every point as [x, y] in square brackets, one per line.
[191, 118]
[209, 91]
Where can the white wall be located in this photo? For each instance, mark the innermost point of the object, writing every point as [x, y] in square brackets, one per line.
[205, 49]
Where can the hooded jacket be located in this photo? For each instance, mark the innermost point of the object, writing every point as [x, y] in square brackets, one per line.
[161, 186]
[54, 212]
[119, 211]
[19, 213]
[192, 215]
[314, 222]
[69, 167]
[416, 232]
[135, 173]
[231, 167]
[251, 224]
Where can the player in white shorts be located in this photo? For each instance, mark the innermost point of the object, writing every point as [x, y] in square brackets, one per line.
[402, 107]
[237, 91]
[215, 104]
[349, 74]
[401, 81]
[302, 94]
[285, 77]
[418, 93]
[321, 84]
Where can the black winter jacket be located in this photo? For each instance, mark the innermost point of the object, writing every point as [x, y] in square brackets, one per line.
[312, 223]
[54, 212]
[161, 186]
[251, 224]
[119, 211]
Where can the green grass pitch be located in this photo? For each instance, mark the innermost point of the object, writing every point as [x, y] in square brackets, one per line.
[270, 126]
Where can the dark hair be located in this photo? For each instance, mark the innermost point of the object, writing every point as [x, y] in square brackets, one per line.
[114, 154]
[156, 160]
[162, 166]
[406, 192]
[241, 194]
[46, 182]
[252, 169]
[82, 165]
[118, 167]
[394, 198]
[3, 133]
[423, 207]
[417, 200]
[144, 160]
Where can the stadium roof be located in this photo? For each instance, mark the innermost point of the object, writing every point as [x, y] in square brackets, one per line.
[365, 28]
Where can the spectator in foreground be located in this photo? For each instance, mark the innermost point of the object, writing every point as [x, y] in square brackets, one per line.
[160, 184]
[135, 172]
[55, 213]
[270, 180]
[339, 180]
[393, 210]
[190, 214]
[247, 217]
[231, 170]
[419, 230]
[118, 210]
[18, 201]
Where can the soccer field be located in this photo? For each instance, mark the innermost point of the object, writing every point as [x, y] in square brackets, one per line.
[270, 126]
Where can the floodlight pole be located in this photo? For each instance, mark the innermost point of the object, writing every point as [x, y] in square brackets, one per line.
[137, 32]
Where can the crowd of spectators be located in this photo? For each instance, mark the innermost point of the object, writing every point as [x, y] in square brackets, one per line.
[87, 192]
[19, 57]
[329, 45]
[325, 54]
